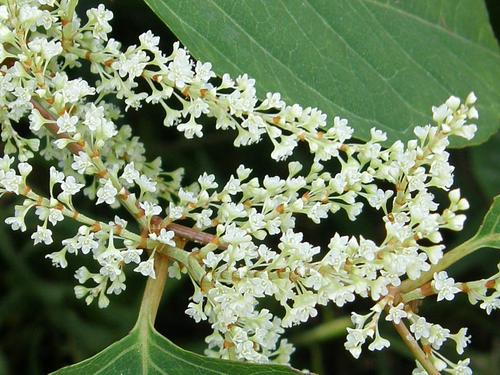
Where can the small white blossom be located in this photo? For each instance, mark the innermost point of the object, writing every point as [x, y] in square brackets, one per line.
[130, 174]
[165, 237]
[420, 328]
[42, 234]
[58, 258]
[106, 193]
[444, 286]
[150, 209]
[396, 313]
[67, 123]
[146, 268]
[70, 186]
[81, 163]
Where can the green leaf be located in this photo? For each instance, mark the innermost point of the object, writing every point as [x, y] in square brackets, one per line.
[145, 351]
[378, 63]
[488, 234]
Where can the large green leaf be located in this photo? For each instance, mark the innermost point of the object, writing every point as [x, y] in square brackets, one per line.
[379, 63]
[145, 351]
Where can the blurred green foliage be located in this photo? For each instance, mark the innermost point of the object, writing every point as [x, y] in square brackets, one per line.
[43, 327]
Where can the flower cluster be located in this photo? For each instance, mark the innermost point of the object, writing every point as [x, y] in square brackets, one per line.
[233, 268]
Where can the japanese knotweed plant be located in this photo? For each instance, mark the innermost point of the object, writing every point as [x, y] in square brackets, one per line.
[232, 266]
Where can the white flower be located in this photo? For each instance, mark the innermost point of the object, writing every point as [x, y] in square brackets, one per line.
[174, 270]
[82, 274]
[150, 209]
[461, 339]
[203, 218]
[81, 162]
[180, 69]
[42, 234]
[146, 268]
[47, 49]
[99, 19]
[80, 291]
[16, 222]
[55, 215]
[491, 303]
[37, 121]
[56, 177]
[131, 255]
[67, 123]
[116, 287]
[396, 313]
[11, 181]
[356, 337]
[75, 89]
[207, 181]
[86, 240]
[106, 193]
[130, 174]
[165, 237]
[195, 311]
[149, 40]
[211, 260]
[439, 114]
[70, 186]
[175, 212]
[341, 130]
[444, 285]
[379, 343]
[24, 169]
[204, 71]
[146, 184]
[5, 162]
[420, 328]
[197, 107]
[102, 301]
[58, 258]
[191, 128]
[453, 102]
[438, 335]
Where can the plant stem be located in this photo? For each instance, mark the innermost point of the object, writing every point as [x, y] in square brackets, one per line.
[154, 290]
[415, 348]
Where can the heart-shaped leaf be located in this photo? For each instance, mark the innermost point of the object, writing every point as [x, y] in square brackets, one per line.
[378, 63]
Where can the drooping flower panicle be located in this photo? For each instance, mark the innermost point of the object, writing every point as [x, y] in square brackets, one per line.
[233, 268]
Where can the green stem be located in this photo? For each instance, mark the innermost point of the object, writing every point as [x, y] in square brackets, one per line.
[451, 257]
[154, 290]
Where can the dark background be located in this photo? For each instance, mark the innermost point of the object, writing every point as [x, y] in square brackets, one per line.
[43, 327]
